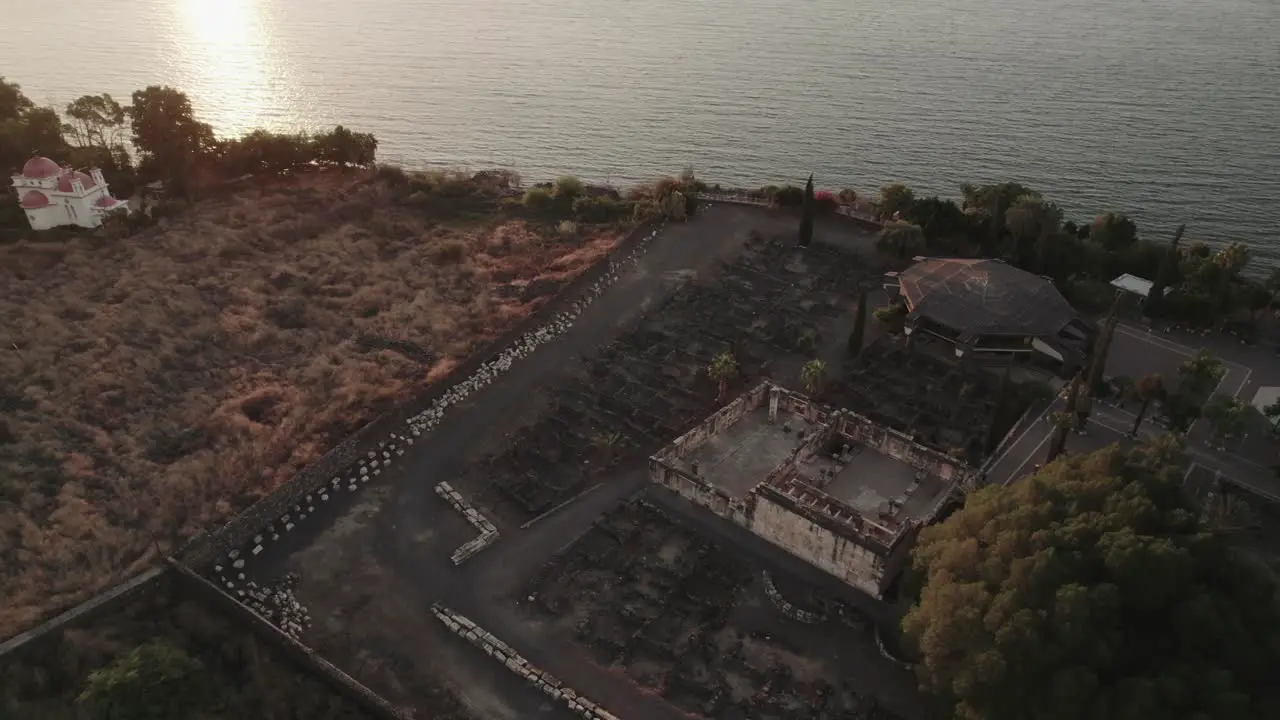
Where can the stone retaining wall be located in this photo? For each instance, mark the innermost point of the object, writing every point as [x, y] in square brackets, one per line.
[503, 653]
[791, 611]
[86, 611]
[305, 658]
[419, 414]
[488, 533]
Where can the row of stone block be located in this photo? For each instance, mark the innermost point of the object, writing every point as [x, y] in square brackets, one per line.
[791, 611]
[488, 533]
[505, 654]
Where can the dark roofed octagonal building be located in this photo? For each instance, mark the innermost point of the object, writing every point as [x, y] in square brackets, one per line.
[989, 309]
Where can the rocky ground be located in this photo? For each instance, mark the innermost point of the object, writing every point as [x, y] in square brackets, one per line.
[689, 619]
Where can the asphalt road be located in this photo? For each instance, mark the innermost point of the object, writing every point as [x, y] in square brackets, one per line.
[1138, 351]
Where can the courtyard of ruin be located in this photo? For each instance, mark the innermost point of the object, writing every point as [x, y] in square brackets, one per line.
[651, 615]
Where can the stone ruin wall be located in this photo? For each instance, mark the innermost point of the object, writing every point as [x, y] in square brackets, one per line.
[818, 545]
[836, 546]
[899, 446]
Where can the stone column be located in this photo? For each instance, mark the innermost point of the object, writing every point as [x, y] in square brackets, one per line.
[774, 394]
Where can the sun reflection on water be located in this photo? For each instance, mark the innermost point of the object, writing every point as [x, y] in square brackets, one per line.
[226, 63]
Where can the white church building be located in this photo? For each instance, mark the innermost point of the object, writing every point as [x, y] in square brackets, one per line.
[51, 195]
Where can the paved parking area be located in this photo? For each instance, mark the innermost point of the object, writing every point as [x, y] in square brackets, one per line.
[1136, 352]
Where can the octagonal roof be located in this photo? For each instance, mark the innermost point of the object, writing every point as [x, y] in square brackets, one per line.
[984, 297]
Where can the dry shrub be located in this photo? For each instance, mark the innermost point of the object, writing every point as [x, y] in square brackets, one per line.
[450, 252]
[152, 387]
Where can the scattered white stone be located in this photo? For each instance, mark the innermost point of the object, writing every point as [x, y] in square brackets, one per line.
[239, 563]
[257, 549]
[288, 527]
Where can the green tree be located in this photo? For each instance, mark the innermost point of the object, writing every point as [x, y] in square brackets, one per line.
[167, 134]
[1200, 375]
[986, 205]
[265, 153]
[1098, 361]
[859, 332]
[33, 131]
[568, 187]
[814, 375]
[943, 223]
[13, 102]
[1272, 413]
[1091, 590]
[344, 148]
[156, 681]
[893, 316]
[1228, 416]
[1233, 258]
[1030, 220]
[902, 240]
[1148, 389]
[1114, 231]
[806, 215]
[894, 199]
[723, 369]
[95, 121]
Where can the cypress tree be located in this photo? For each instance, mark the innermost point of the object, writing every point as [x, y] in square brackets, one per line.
[1098, 364]
[859, 325]
[1164, 275]
[1058, 442]
[806, 215]
[999, 411]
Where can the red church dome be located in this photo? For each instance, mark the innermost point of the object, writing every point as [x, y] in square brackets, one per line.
[106, 201]
[35, 199]
[39, 168]
[64, 182]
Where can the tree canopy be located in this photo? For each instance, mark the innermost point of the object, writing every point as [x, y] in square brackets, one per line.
[166, 131]
[156, 681]
[1091, 590]
[26, 129]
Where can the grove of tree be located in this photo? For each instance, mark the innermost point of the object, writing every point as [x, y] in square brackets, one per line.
[1092, 590]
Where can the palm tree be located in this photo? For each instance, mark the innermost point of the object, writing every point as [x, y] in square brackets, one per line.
[1147, 389]
[723, 369]
[1064, 421]
[998, 412]
[1200, 374]
[1123, 386]
[814, 375]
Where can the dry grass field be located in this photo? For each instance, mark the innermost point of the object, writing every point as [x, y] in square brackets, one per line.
[154, 384]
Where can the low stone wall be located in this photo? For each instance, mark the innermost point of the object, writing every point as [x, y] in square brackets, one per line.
[423, 412]
[503, 653]
[305, 658]
[791, 611]
[87, 611]
[488, 533]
